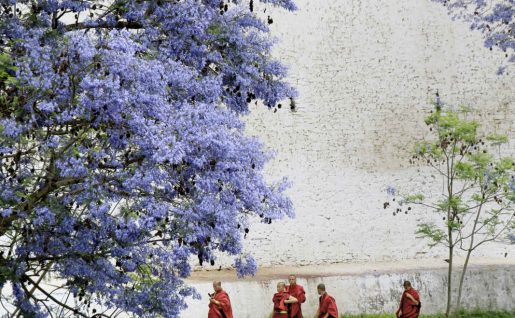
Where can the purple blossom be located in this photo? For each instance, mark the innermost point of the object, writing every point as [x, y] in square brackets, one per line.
[43, 216]
[125, 148]
[6, 212]
[391, 191]
[9, 127]
[245, 265]
[495, 19]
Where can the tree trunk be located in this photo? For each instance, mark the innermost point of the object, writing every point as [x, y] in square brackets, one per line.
[469, 252]
[462, 278]
[449, 279]
[450, 218]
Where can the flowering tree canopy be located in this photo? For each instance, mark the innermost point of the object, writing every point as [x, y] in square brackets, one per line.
[495, 18]
[123, 152]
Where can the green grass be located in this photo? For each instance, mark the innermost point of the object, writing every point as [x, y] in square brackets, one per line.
[467, 314]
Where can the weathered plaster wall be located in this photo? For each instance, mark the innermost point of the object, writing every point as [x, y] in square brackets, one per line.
[366, 71]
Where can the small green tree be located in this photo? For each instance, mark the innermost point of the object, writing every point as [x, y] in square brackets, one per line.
[477, 204]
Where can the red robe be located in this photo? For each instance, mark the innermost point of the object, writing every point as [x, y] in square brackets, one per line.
[407, 307]
[327, 304]
[298, 292]
[224, 310]
[279, 304]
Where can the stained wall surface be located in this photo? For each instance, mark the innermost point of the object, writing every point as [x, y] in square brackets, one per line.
[366, 71]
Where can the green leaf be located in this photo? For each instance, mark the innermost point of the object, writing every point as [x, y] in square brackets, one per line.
[143, 277]
[432, 232]
[214, 29]
[497, 139]
[480, 160]
[414, 198]
[477, 197]
[465, 170]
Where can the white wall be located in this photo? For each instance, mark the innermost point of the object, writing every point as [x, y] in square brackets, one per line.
[366, 71]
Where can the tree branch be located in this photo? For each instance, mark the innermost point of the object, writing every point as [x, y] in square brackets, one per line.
[54, 299]
[117, 25]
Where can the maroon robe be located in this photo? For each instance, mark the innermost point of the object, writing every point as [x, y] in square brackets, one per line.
[298, 292]
[224, 310]
[327, 304]
[407, 307]
[279, 304]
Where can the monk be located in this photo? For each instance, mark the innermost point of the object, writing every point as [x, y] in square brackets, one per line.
[282, 300]
[298, 292]
[219, 303]
[410, 302]
[327, 305]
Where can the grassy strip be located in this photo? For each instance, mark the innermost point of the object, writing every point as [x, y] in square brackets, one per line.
[463, 314]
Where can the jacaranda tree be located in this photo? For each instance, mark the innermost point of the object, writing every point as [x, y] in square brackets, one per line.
[122, 149]
[494, 18]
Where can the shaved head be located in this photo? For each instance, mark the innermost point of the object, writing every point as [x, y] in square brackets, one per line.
[280, 286]
[217, 285]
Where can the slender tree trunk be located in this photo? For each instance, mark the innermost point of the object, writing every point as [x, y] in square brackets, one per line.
[450, 219]
[449, 277]
[469, 252]
[449, 269]
[462, 278]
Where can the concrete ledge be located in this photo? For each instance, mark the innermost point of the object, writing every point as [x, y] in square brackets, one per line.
[343, 269]
[363, 288]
